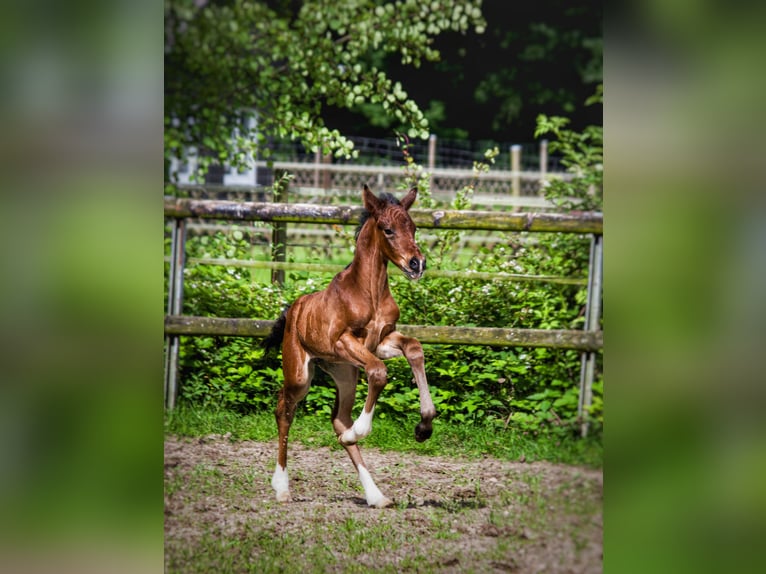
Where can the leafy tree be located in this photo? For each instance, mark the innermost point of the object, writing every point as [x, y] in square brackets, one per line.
[541, 57]
[551, 55]
[286, 62]
[582, 153]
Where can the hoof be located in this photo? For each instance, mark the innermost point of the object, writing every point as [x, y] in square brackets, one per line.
[283, 496]
[383, 502]
[422, 432]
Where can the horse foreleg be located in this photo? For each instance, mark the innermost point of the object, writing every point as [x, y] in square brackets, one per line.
[352, 351]
[395, 345]
[345, 377]
[413, 352]
[298, 372]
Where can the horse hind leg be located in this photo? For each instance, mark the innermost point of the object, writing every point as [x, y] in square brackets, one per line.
[346, 377]
[298, 372]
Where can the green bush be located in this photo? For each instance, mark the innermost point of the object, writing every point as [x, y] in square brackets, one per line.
[533, 389]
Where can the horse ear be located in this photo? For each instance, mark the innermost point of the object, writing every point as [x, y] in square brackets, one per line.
[371, 202]
[409, 199]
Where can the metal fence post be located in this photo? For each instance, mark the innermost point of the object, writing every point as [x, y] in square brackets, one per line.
[175, 306]
[592, 314]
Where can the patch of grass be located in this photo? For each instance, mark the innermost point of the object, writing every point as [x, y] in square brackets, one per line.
[195, 421]
[477, 440]
[358, 545]
[448, 439]
[250, 550]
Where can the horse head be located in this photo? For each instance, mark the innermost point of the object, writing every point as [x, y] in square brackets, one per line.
[394, 230]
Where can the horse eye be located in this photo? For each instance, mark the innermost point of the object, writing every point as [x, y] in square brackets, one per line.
[388, 232]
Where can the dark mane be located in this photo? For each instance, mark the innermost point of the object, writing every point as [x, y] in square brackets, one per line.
[385, 196]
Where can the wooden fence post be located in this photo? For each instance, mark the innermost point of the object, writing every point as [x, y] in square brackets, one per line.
[543, 164]
[317, 161]
[175, 306]
[279, 236]
[431, 160]
[516, 169]
[431, 152]
[326, 175]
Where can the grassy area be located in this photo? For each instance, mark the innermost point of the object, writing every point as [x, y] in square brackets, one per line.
[454, 440]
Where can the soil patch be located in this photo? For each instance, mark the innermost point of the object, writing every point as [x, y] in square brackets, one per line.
[450, 515]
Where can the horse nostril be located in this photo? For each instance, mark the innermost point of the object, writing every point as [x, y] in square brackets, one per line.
[414, 264]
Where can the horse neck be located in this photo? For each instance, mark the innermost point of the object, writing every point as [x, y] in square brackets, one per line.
[369, 267]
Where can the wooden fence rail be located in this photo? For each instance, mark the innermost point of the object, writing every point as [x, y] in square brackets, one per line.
[334, 268]
[441, 335]
[587, 222]
[588, 341]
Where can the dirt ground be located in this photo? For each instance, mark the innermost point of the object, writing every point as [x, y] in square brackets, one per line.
[449, 515]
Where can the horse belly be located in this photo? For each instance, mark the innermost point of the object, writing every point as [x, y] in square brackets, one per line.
[314, 327]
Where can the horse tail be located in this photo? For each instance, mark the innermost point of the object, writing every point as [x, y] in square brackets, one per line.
[274, 339]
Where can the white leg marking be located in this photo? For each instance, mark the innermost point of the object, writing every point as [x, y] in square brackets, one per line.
[371, 492]
[279, 483]
[361, 428]
[387, 351]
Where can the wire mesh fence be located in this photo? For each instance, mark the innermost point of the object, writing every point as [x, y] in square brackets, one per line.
[439, 153]
[516, 179]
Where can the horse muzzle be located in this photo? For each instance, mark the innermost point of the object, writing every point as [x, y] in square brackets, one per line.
[415, 268]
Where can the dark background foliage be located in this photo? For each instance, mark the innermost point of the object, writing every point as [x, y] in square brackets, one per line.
[534, 58]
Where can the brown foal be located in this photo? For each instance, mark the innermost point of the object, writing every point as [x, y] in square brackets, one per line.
[351, 325]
